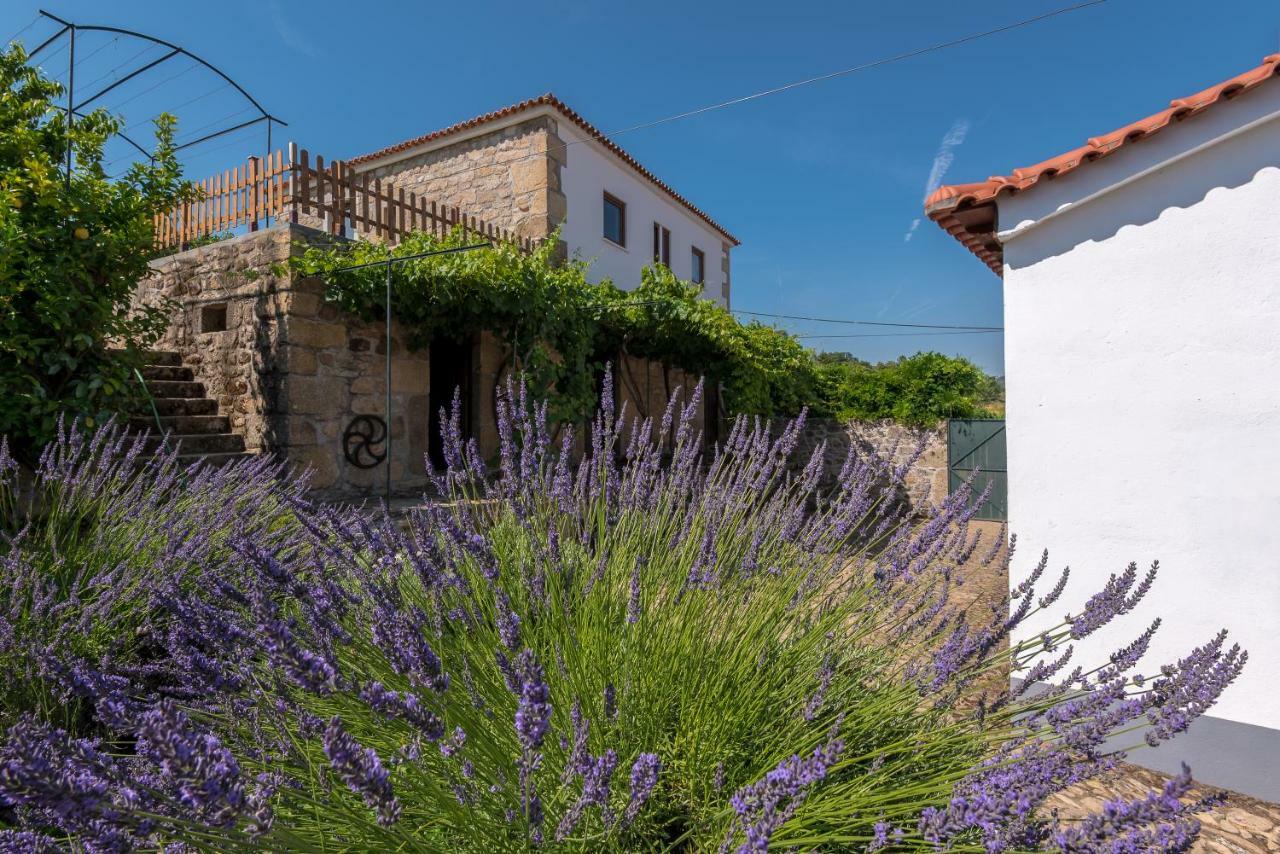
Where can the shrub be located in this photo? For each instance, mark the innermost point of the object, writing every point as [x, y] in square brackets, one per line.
[100, 533]
[920, 390]
[624, 653]
[71, 254]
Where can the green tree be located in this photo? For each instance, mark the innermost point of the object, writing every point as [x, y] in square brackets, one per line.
[71, 254]
[921, 389]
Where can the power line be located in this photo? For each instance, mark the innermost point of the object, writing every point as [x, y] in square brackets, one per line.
[808, 81]
[966, 327]
[82, 60]
[153, 87]
[898, 334]
[866, 66]
[95, 81]
[171, 110]
[15, 36]
[192, 132]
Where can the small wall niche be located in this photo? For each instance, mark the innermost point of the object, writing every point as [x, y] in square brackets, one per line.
[213, 318]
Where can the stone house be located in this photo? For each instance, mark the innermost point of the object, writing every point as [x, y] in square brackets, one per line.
[295, 376]
[1142, 297]
[537, 166]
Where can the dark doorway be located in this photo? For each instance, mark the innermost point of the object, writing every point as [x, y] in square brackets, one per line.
[450, 369]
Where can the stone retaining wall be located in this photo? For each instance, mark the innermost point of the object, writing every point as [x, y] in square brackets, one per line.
[292, 371]
[926, 481]
[289, 369]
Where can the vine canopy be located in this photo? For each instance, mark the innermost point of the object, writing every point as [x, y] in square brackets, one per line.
[560, 328]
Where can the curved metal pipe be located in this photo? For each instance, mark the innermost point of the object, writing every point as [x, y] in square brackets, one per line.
[170, 45]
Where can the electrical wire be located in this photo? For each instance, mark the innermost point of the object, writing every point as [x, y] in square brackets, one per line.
[92, 84]
[185, 103]
[193, 132]
[966, 327]
[47, 59]
[192, 67]
[866, 66]
[898, 334]
[15, 36]
[91, 54]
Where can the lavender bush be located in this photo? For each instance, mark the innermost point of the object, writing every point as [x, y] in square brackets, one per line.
[640, 650]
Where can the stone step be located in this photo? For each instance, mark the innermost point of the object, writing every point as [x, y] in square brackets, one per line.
[162, 389]
[215, 460]
[165, 358]
[183, 425]
[209, 443]
[169, 406]
[153, 373]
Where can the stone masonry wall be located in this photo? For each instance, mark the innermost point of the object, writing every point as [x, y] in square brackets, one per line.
[290, 369]
[508, 177]
[926, 481]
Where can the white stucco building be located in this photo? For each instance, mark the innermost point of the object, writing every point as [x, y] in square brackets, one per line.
[537, 166]
[1142, 350]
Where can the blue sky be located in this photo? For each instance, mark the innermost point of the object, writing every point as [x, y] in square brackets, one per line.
[820, 183]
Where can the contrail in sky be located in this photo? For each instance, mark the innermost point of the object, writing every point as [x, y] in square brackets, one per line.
[941, 163]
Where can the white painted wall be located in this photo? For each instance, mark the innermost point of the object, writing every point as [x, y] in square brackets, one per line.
[1142, 336]
[591, 170]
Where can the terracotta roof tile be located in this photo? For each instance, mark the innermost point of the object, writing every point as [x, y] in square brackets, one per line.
[548, 100]
[967, 211]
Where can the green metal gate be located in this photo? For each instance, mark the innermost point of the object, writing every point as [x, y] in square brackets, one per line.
[975, 444]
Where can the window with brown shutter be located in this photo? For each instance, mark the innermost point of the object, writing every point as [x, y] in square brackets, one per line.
[661, 245]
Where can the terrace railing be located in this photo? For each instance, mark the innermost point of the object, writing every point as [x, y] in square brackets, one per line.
[333, 197]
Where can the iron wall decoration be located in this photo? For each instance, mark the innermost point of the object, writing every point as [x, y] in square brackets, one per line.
[361, 439]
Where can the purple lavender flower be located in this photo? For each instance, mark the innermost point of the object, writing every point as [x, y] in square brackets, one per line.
[362, 771]
[405, 706]
[401, 639]
[1118, 596]
[764, 806]
[596, 777]
[814, 704]
[26, 841]
[578, 762]
[882, 833]
[454, 743]
[533, 715]
[203, 771]
[610, 702]
[64, 780]
[508, 622]
[633, 600]
[644, 776]
[1157, 822]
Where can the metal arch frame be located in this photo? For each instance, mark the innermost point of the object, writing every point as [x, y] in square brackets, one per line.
[74, 109]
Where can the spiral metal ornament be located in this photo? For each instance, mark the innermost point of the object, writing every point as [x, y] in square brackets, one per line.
[364, 441]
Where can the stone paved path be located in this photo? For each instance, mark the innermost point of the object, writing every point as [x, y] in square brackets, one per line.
[1240, 825]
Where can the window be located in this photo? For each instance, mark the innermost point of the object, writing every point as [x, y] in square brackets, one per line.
[699, 266]
[213, 318]
[661, 245]
[615, 220]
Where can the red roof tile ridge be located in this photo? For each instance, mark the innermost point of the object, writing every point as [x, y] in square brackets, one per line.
[944, 201]
[548, 99]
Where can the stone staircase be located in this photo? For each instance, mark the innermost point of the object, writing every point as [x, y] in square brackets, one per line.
[186, 413]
